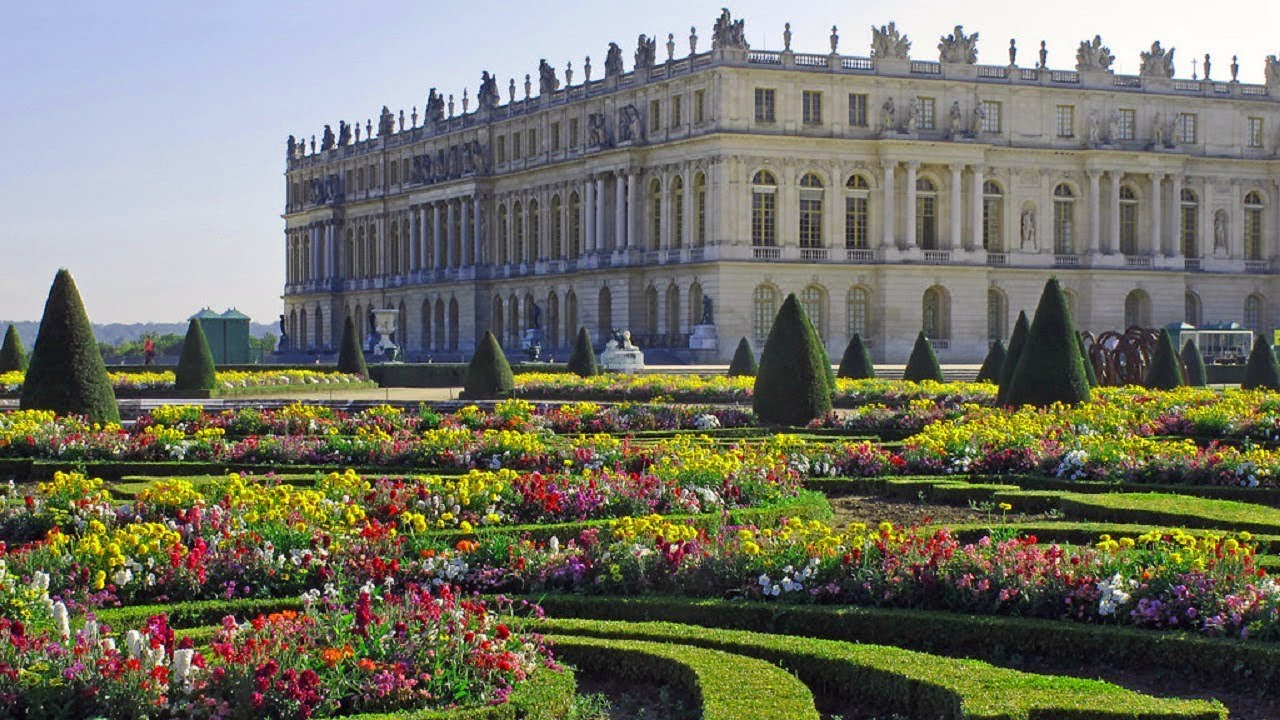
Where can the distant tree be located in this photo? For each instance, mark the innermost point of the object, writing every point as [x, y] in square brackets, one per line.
[582, 359]
[1050, 368]
[1016, 342]
[1088, 363]
[1165, 371]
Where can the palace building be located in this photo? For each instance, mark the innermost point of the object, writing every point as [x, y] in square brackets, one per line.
[890, 194]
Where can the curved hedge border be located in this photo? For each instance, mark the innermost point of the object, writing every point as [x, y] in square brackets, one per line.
[545, 695]
[727, 686]
[893, 680]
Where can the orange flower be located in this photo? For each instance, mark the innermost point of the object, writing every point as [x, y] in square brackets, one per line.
[367, 665]
[331, 657]
[426, 553]
[467, 546]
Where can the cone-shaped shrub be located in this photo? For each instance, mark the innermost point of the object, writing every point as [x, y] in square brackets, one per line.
[1017, 340]
[489, 374]
[856, 363]
[794, 383]
[1088, 364]
[1050, 368]
[990, 370]
[744, 361]
[65, 373]
[1193, 365]
[1165, 371]
[923, 364]
[1262, 370]
[12, 356]
[195, 369]
[582, 359]
[350, 355]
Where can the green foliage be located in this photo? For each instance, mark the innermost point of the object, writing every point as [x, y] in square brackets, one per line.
[744, 361]
[1262, 370]
[794, 383]
[350, 355]
[923, 364]
[66, 373]
[582, 359]
[1165, 371]
[489, 375]
[1017, 340]
[856, 362]
[1088, 364]
[1050, 368]
[990, 370]
[1193, 365]
[12, 355]
[195, 369]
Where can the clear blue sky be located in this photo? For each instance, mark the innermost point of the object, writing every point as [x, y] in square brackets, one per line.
[144, 141]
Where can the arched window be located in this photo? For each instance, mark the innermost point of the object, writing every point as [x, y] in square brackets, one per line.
[673, 310]
[552, 322]
[811, 211]
[406, 240]
[1137, 309]
[1253, 226]
[764, 210]
[604, 313]
[1189, 223]
[1253, 315]
[857, 195]
[655, 214]
[402, 325]
[373, 253]
[677, 212]
[997, 315]
[992, 217]
[528, 312]
[440, 326]
[349, 257]
[428, 245]
[936, 314]
[393, 251]
[859, 309]
[361, 254]
[513, 321]
[504, 236]
[651, 310]
[695, 304]
[765, 302]
[424, 342]
[1191, 309]
[303, 342]
[813, 300]
[1128, 221]
[453, 324]
[926, 214]
[535, 232]
[557, 229]
[517, 233]
[570, 317]
[575, 226]
[1064, 220]
[700, 211]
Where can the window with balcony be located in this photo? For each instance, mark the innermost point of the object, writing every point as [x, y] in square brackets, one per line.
[991, 120]
[992, 217]
[1189, 217]
[1255, 132]
[1253, 226]
[928, 113]
[811, 211]
[1126, 120]
[926, 214]
[1064, 220]
[857, 194]
[1186, 128]
[764, 209]
[1128, 221]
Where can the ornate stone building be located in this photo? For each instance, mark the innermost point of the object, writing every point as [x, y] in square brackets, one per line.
[890, 194]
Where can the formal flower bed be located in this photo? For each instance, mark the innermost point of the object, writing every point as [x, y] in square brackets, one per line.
[11, 382]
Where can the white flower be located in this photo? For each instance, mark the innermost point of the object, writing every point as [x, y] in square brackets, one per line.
[133, 641]
[554, 544]
[122, 577]
[61, 620]
[181, 667]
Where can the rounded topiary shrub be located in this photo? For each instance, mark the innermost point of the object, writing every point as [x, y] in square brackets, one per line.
[990, 370]
[744, 361]
[1262, 371]
[923, 364]
[1165, 371]
[12, 355]
[65, 373]
[350, 355]
[856, 362]
[1193, 365]
[582, 359]
[1050, 368]
[195, 369]
[1017, 340]
[794, 383]
[489, 374]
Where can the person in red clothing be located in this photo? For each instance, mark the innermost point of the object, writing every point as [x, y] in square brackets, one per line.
[148, 352]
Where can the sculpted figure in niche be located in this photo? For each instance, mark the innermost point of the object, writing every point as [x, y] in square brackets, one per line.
[1220, 233]
[1029, 230]
[1157, 131]
[979, 117]
[547, 80]
[954, 118]
[958, 47]
[597, 133]
[913, 115]
[1095, 129]
[479, 158]
[1158, 63]
[888, 43]
[646, 52]
[1094, 56]
[613, 61]
[629, 125]
[888, 116]
[729, 33]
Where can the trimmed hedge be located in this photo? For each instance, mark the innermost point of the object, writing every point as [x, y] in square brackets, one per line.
[1262, 370]
[195, 369]
[12, 355]
[488, 374]
[990, 370]
[794, 384]
[582, 359]
[1089, 371]
[350, 354]
[1165, 371]
[1193, 365]
[856, 362]
[923, 363]
[744, 361]
[726, 686]
[1017, 341]
[1049, 367]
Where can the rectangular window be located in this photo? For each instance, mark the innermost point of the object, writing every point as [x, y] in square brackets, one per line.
[361, 184]
[677, 110]
[1064, 230]
[764, 210]
[765, 106]
[573, 132]
[811, 221]
[857, 110]
[1187, 128]
[855, 221]
[502, 148]
[346, 184]
[928, 113]
[655, 115]
[533, 141]
[515, 146]
[555, 136]
[395, 172]
[812, 100]
[1190, 239]
[1127, 120]
[1066, 121]
[991, 116]
[699, 106]
[1255, 132]
[992, 209]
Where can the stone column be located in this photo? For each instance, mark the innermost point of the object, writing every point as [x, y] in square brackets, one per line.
[600, 218]
[589, 192]
[437, 235]
[1095, 212]
[382, 244]
[1204, 246]
[468, 240]
[423, 259]
[620, 211]
[451, 232]
[1113, 245]
[477, 228]
[690, 230]
[1157, 227]
[415, 228]
[975, 202]
[1173, 248]
[635, 238]
[910, 209]
[333, 249]
[887, 211]
[953, 241]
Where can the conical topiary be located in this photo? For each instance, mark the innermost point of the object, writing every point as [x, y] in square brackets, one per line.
[582, 359]
[66, 373]
[1165, 371]
[1050, 368]
[1017, 340]
[12, 356]
[1088, 363]
[1193, 365]
[856, 363]
[350, 355]
[794, 383]
[923, 364]
[1262, 370]
[195, 369]
[990, 370]
[489, 374]
[744, 361]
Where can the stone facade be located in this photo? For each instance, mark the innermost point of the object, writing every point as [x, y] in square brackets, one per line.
[889, 194]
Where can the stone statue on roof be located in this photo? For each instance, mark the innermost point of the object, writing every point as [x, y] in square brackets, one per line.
[547, 80]
[613, 61]
[433, 112]
[729, 33]
[889, 44]
[1158, 63]
[646, 52]
[487, 98]
[386, 122]
[1093, 56]
[958, 47]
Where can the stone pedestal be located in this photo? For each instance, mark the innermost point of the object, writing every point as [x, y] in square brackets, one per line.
[704, 337]
[622, 356]
[531, 343]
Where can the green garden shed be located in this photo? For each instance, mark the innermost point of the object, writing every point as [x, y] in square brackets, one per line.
[228, 335]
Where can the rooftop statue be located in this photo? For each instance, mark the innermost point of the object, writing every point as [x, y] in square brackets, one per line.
[547, 80]
[958, 47]
[386, 122]
[888, 44]
[1273, 71]
[433, 111]
[291, 148]
[646, 52]
[1158, 63]
[729, 33]
[328, 140]
[487, 98]
[613, 61]
[1093, 56]
[344, 133]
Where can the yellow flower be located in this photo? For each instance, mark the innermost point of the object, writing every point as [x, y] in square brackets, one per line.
[1005, 507]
